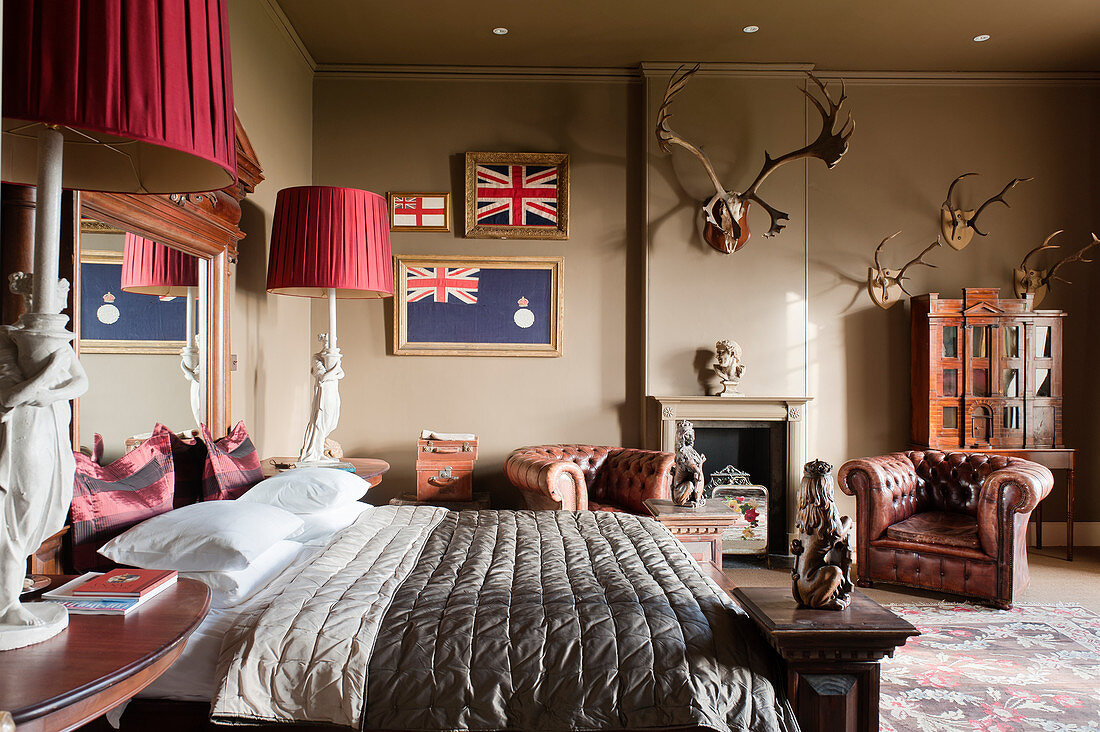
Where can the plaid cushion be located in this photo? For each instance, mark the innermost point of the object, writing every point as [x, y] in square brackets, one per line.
[232, 465]
[189, 458]
[108, 499]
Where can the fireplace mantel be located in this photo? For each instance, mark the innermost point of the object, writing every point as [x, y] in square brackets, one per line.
[789, 409]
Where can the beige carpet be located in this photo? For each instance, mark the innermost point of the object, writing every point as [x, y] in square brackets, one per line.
[1053, 579]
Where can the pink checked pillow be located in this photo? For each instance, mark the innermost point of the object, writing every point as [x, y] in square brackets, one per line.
[232, 465]
[189, 458]
[108, 499]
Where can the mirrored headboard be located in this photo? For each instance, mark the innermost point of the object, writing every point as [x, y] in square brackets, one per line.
[204, 225]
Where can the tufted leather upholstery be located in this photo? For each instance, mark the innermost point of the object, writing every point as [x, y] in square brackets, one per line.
[949, 521]
[589, 477]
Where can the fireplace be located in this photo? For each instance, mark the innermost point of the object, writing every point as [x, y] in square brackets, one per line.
[763, 436]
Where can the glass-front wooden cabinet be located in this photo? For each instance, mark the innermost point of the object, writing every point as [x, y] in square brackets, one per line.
[986, 372]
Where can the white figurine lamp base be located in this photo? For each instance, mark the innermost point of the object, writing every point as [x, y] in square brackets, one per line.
[328, 242]
[325, 408]
[52, 619]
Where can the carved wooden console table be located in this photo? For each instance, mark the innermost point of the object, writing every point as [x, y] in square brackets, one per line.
[832, 657]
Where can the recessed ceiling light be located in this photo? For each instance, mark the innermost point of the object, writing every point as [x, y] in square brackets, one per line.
[502, 31]
[751, 28]
[982, 37]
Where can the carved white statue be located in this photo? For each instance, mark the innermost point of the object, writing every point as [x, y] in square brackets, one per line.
[325, 411]
[39, 374]
[728, 367]
[191, 365]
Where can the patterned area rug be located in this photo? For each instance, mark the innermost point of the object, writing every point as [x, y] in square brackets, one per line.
[1035, 667]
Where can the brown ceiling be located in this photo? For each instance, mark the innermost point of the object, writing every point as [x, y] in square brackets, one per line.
[852, 35]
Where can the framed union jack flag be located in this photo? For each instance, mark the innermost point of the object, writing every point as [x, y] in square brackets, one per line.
[419, 211]
[477, 306]
[517, 195]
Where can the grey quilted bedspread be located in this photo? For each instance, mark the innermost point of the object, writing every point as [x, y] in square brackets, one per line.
[519, 620]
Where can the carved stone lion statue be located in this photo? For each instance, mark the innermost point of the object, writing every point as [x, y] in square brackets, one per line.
[823, 559]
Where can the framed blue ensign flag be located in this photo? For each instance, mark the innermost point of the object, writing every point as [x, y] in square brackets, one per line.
[113, 321]
[477, 306]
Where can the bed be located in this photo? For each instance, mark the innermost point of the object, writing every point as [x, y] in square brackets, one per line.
[418, 618]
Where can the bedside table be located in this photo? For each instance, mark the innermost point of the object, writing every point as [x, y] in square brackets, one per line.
[99, 661]
[698, 529]
[480, 502]
[369, 469]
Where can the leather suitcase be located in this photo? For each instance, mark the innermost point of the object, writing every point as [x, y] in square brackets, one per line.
[445, 483]
[444, 469]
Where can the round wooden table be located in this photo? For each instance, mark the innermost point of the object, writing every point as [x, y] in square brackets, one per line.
[369, 469]
[99, 661]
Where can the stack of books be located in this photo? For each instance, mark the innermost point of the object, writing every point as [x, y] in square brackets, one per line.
[117, 592]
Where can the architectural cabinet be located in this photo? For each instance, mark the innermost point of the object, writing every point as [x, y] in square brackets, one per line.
[986, 372]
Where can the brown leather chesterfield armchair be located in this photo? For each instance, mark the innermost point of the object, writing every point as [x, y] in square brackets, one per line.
[589, 477]
[948, 521]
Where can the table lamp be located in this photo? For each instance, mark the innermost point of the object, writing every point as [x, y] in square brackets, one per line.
[151, 268]
[138, 98]
[335, 243]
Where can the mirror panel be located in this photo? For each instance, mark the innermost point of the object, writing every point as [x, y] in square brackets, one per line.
[131, 345]
[204, 225]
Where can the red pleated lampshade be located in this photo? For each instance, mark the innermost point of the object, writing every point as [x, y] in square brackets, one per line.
[153, 79]
[150, 268]
[324, 237]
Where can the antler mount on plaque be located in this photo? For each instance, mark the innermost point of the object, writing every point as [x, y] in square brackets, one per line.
[726, 226]
[1028, 279]
[958, 226]
[884, 285]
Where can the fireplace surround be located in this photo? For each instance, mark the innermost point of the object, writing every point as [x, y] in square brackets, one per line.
[767, 434]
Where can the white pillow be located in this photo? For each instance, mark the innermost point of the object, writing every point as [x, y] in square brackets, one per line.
[308, 490]
[211, 535]
[229, 588]
[318, 527]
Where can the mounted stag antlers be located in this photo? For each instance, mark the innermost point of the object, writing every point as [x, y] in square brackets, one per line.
[727, 211]
[958, 226]
[1026, 278]
[883, 284]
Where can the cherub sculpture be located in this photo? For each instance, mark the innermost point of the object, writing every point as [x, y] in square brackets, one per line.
[191, 366]
[39, 374]
[687, 476]
[823, 559]
[327, 371]
[728, 367]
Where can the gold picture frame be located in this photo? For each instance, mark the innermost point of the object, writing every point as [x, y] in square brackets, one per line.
[486, 214]
[417, 210]
[114, 345]
[494, 283]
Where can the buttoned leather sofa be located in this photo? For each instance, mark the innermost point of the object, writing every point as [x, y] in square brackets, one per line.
[948, 521]
[589, 477]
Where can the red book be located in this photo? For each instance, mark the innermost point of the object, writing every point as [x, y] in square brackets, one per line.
[126, 582]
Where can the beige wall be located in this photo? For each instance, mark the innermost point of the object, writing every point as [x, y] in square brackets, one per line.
[797, 303]
[129, 394]
[272, 87]
[385, 135]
